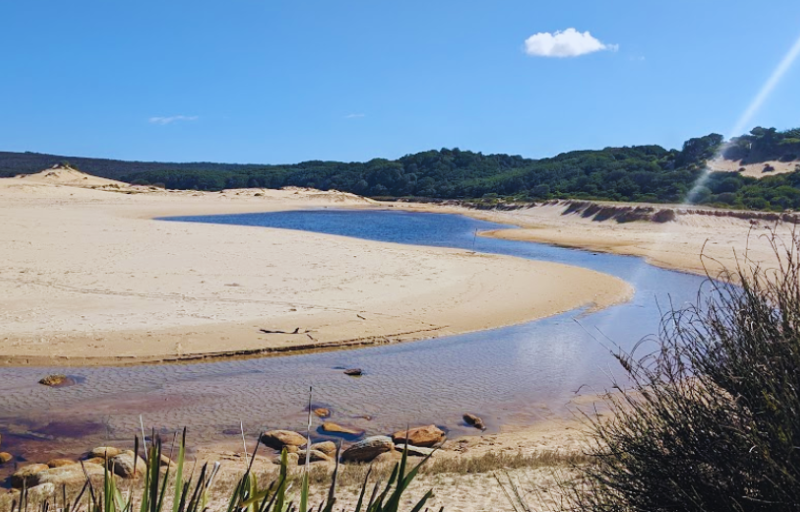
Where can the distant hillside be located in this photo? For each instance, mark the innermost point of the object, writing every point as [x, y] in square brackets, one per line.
[12, 164]
[638, 173]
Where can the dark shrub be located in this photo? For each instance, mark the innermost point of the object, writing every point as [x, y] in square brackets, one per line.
[710, 420]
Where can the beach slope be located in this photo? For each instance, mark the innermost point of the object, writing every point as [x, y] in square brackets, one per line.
[88, 278]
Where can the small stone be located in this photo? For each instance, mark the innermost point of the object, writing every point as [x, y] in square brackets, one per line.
[354, 372]
[322, 412]
[335, 428]
[5, 457]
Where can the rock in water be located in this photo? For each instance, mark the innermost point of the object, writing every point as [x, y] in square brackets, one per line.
[57, 381]
[420, 436]
[26, 476]
[474, 421]
[322, 412]
[278, 439]
[5, 457]
[326, 447]
[368, 449]
[354, 372]
[335, 428]
[123, 465]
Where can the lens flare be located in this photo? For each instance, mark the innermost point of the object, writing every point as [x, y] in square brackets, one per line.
[666, 234]
[744, 121]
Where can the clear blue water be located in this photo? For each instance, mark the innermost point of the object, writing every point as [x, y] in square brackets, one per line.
[516, 375]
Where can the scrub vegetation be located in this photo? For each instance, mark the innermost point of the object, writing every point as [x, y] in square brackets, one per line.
[637, 173]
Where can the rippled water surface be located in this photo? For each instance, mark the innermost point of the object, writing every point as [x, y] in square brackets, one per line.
[518, 374]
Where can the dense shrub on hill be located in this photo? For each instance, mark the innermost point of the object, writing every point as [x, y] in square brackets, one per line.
[637, 173]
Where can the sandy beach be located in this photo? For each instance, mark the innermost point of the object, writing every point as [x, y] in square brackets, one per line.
[698, 241]
[89, 278]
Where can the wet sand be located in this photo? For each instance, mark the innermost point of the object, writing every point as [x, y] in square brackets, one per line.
[90, 279]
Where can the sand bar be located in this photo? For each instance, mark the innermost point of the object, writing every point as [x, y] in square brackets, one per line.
[698, 241]
[89, 278]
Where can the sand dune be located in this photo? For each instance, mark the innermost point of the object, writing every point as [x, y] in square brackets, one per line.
[89, 278]
[755, 170]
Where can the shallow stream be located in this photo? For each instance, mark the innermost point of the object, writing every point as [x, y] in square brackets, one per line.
[514, 375]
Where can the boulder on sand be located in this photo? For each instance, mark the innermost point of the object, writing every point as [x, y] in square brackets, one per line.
[41, 492]
[414, 451]
[26, 475]
[57, 463]
[420, 436]
[474, 421]
[105, 452]
[315, 456]
[326, 447]
[390, 457]
[368, 449]
[335, 428]
[125, 466]
[71, 475]
[278, 439]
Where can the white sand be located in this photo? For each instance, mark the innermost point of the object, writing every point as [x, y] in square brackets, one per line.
[88, 278]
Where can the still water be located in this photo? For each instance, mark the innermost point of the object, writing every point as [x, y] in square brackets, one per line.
[514, 375]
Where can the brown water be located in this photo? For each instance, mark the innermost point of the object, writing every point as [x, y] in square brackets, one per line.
[515, 375]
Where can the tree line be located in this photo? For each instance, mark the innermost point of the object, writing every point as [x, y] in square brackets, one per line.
[637, 173]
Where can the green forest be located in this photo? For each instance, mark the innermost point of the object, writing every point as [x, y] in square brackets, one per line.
[636, 173]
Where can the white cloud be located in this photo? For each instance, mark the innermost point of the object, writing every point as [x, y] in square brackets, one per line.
[354, 116]
[172, 119]
[569, 43]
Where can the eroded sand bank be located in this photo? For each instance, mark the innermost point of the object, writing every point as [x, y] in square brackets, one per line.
[697, 241]
[89, 278]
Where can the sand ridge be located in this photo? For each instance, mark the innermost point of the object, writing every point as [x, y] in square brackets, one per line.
[89, 278]
[697, 241]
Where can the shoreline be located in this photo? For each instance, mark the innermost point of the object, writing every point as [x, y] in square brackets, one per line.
[693, 243]
[142, 291]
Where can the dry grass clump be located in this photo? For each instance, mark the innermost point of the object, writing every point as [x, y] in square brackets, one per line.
[711, 421]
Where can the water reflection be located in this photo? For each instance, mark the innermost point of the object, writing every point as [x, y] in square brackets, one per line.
[519, 373]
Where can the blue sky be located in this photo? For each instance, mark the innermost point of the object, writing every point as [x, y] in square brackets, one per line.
[278, 81]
